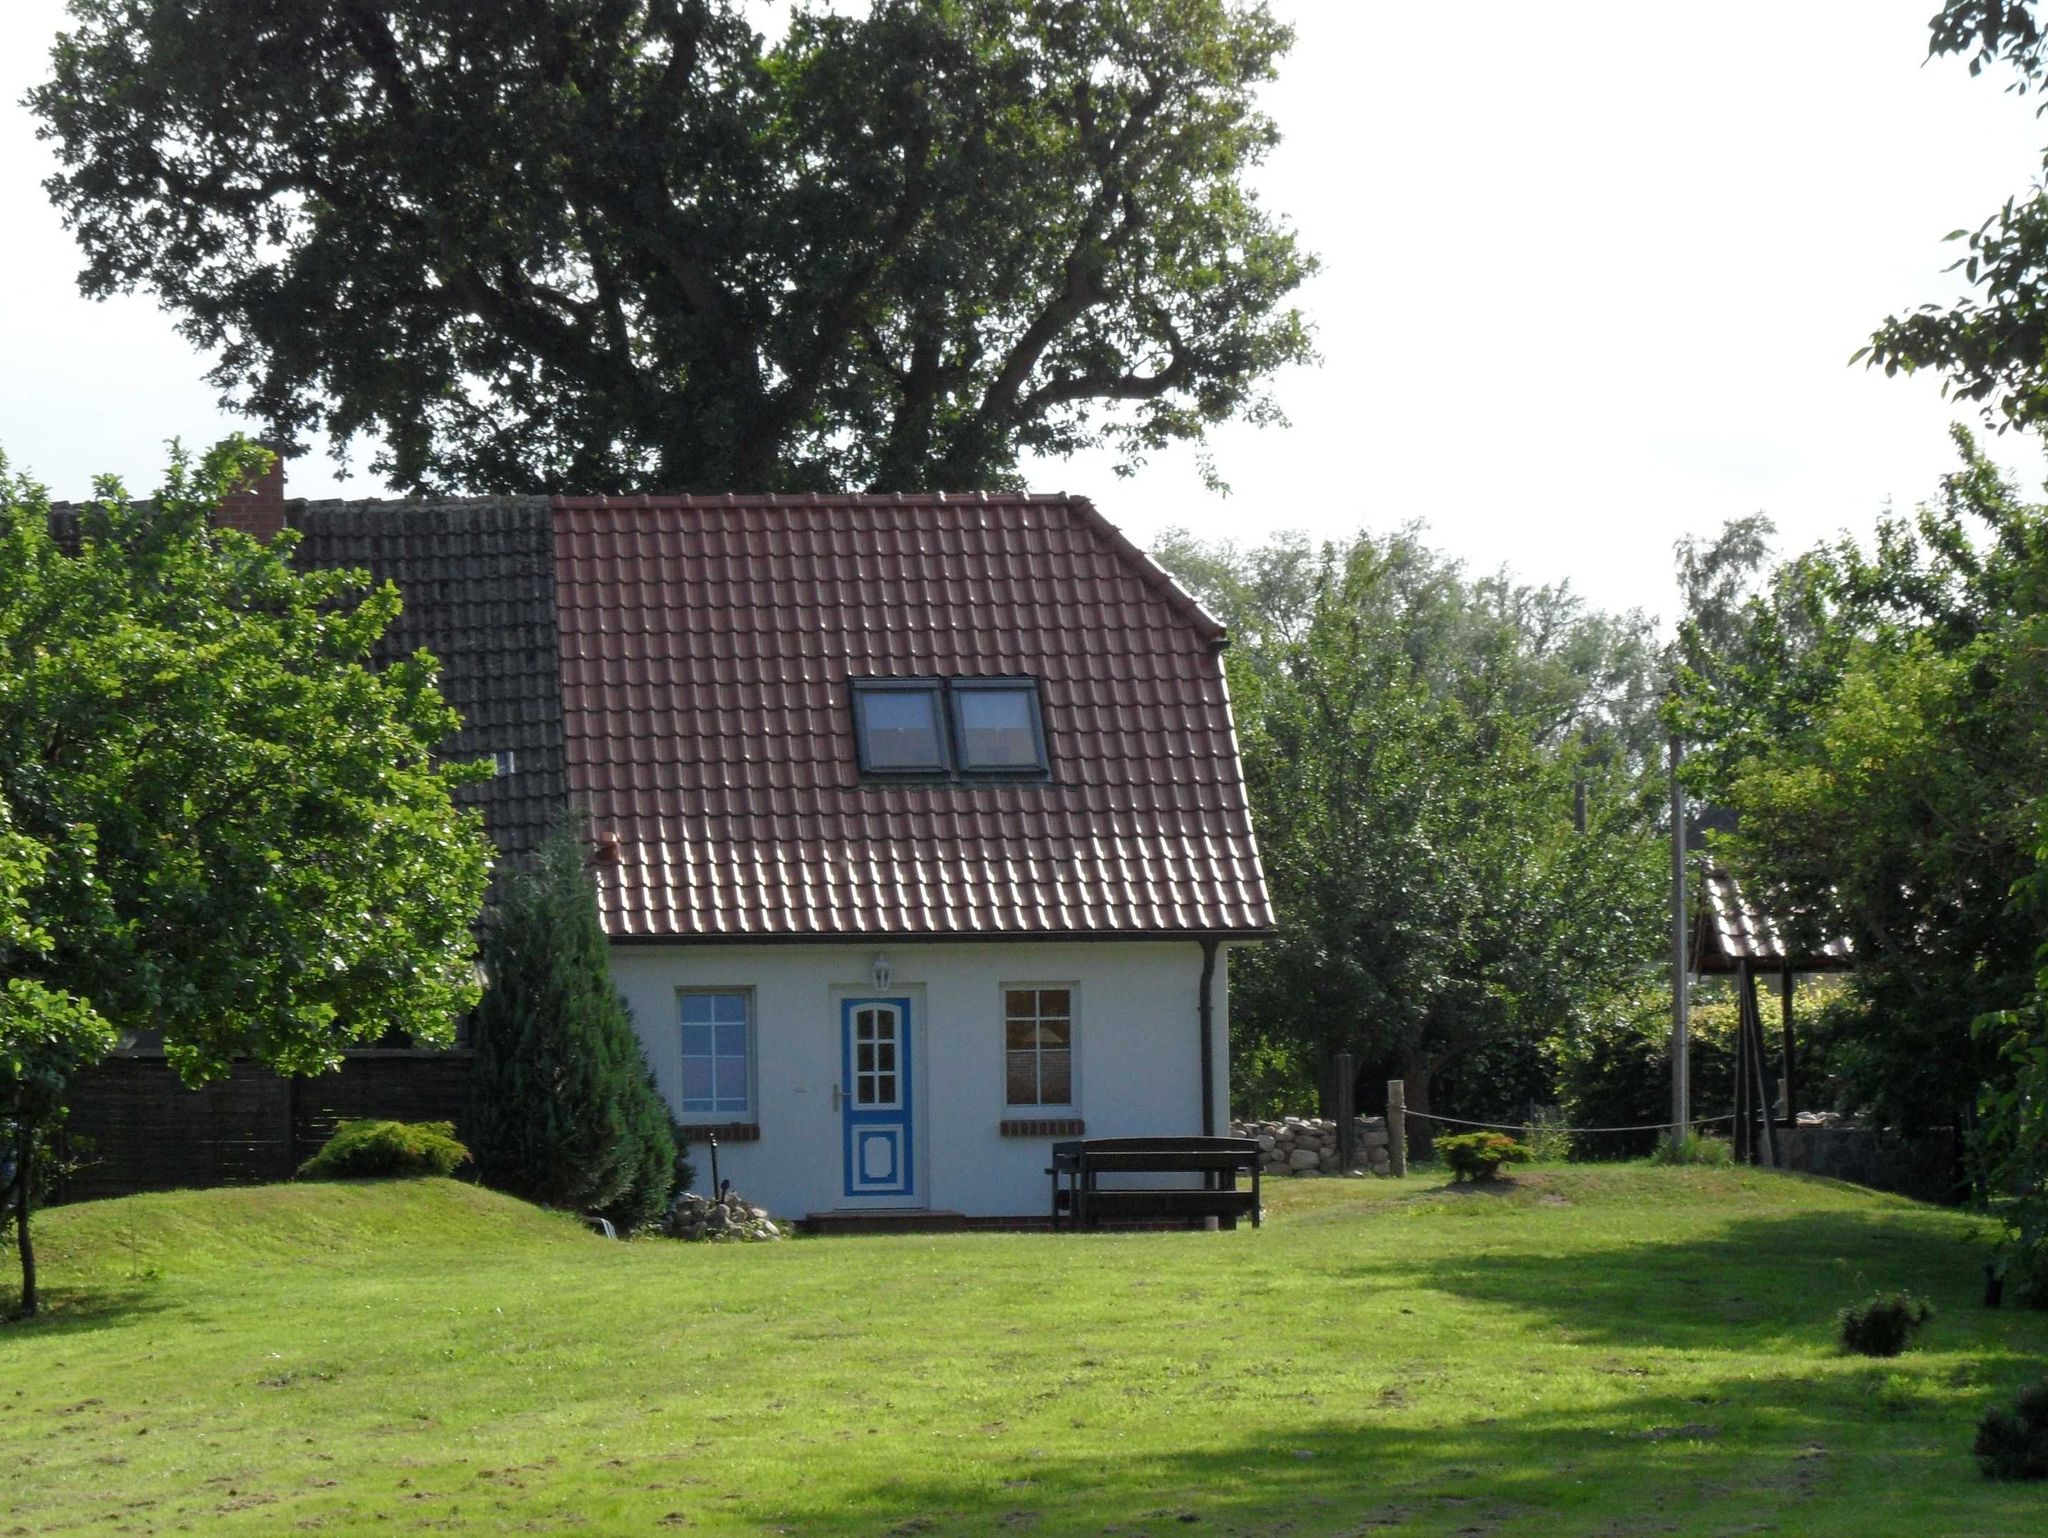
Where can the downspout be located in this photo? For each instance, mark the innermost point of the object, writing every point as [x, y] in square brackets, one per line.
[1205, 1008]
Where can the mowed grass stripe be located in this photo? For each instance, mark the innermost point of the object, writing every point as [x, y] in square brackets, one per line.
[1600, 1350]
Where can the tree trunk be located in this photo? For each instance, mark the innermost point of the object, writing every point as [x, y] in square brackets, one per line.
[1421, 1134]
[24, 1177]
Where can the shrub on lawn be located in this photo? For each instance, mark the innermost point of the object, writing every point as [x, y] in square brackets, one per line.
[361, 1150]
[1479, 1155]
[1694, 1148]
[2013, 1444]
[1885, 1324]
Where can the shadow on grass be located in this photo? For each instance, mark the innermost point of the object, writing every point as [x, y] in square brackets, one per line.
[69, 1309]
[1750, 1282]
[1738, 1454]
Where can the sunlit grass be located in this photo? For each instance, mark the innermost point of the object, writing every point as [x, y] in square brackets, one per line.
[1591, 1350]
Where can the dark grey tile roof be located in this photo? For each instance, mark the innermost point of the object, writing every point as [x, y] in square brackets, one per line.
[477, 577]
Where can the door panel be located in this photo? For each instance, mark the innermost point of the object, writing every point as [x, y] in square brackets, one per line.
[875, 1107]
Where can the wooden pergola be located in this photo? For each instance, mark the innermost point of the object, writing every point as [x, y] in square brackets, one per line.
[1731, 937]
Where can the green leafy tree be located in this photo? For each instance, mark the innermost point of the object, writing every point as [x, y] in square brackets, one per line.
[224, 825]
[1882, 745]
[563, 1110]
[1413, 741]
[621, 244]
[1993, 346]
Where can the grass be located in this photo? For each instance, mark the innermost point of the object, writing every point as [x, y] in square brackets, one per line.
[1615, 1351]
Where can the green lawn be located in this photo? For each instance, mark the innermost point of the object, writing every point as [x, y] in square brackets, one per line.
[1604, 1351]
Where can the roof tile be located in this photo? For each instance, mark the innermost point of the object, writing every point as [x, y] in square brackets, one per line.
[706, 650]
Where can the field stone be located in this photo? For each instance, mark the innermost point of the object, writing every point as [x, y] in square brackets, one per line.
[1303, 1159]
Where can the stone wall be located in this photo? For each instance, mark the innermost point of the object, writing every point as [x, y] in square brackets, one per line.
[1923, 1166]
[1297, 1145]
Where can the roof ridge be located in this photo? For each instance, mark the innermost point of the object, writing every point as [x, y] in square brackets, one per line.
[1148, 571]
[689, 499]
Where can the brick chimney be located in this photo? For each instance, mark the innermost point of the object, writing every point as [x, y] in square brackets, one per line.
[258, 508]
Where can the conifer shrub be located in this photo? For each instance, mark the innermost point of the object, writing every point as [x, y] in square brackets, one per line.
[2013, 1444]
[1884, 1324]
[1479, 1155]
[369, 1149]
[563, 1109]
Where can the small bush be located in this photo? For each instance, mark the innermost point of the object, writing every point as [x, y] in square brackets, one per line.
[1694, 1148]
[1479, 1155]
[1547, 1138]
[1885, 1324]
[2013, 1444]
[361, 1150]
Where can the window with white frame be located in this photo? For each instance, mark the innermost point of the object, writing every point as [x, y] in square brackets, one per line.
[718, 1052]
[1038, 1045]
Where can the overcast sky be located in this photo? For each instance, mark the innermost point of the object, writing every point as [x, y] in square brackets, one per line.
[1592, 274]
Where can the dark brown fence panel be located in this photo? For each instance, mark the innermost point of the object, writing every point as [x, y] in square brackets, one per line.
[135, 1127]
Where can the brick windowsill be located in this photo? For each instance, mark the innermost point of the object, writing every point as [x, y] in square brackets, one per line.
[725, 1132]
[1062, 1126]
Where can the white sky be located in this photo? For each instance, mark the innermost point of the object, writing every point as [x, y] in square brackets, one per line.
[1592, 275]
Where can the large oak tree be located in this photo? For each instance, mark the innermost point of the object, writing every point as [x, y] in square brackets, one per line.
[612, 244]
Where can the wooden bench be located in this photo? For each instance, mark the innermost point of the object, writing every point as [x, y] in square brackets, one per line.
[1081, 1201]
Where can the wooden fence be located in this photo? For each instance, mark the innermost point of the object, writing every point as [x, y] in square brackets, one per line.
[135, 1127]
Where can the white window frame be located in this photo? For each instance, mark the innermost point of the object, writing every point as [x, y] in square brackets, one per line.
[1071, 1106]
[715, 1117]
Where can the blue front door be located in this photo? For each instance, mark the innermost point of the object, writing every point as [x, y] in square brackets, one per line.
[875, 1109]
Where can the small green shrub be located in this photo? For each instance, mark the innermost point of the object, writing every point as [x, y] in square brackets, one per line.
[1479, 1155]
[1547, 1138]
[361, 1150]
[1885, 1324]
[2013, 1444]
[1694, 1148]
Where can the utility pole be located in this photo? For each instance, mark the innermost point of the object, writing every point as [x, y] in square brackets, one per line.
[1681, 1078]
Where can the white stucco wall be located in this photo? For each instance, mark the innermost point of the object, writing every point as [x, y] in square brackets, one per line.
[1136, 1065]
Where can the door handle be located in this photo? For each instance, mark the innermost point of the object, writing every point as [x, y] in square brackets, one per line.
[835, 1096]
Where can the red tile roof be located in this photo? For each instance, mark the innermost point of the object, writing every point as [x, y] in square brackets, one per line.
[707, 645]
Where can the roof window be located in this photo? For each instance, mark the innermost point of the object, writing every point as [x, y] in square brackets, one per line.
[949, 728]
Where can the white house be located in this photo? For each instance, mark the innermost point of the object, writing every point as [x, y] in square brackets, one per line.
[923, 838]
[921, 833]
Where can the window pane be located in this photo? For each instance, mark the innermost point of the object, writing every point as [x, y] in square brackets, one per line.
[732, 1038]
[729, 1007]
[1023, 1078]
[1055, 1001]
[696, 1038]
[995, 728]
[697, 1006]
[696, 1083]
[1056, 1078]
[901, 728]
[1020, 1035]
[732, 1083]
[1020, 1003]
[885, 1089]
[864, 1057]
[1055, 1033]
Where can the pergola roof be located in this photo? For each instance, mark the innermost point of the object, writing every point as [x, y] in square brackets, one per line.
[1728, 930]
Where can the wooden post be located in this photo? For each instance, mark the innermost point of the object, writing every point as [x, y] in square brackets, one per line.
[1763, 1087]
[1397, 1127]
[1785, 1019]
[1345, 1106]
[1742, 1133]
